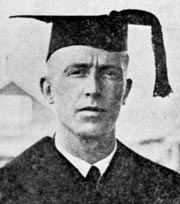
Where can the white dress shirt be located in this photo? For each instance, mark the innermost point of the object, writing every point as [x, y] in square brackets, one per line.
[83, 166]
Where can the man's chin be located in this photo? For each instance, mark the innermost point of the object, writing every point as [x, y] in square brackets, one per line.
[91, 130]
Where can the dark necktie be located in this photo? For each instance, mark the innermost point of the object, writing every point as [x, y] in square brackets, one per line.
[93, 175]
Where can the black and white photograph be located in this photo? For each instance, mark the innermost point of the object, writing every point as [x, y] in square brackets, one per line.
[89, 102]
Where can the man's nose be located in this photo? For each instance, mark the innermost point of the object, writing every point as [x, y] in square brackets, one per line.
[93, 86]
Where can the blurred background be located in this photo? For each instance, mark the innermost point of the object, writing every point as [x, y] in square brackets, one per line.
[150, 126]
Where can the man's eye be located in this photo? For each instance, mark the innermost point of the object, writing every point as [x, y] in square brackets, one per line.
[112, 73]
[76, 73]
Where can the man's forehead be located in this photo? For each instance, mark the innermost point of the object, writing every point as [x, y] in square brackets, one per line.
[85, 54]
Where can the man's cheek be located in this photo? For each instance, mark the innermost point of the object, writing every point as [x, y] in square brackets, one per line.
[115, 94]
[118, 93]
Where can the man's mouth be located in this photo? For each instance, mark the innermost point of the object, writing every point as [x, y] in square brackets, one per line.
[92, 109]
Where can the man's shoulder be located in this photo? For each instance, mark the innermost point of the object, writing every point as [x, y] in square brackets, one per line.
[146, 176]
[141, 162]
[146, 171]
[30, 158]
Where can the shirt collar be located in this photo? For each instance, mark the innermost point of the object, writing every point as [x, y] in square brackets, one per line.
[83, 166]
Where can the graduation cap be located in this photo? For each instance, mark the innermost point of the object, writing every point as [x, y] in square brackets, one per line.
[108, 32]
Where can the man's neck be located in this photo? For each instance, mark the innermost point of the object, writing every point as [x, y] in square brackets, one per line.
[86, 147]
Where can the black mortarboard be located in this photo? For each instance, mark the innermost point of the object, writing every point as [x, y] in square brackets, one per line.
[95, 31]
[108, 32]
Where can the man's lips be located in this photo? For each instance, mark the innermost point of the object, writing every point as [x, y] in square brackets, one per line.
[92, 109]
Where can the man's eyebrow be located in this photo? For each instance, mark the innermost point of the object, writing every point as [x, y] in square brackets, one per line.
[78, 65]
[108, 66]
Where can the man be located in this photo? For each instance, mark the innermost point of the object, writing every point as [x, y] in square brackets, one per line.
[86, 85]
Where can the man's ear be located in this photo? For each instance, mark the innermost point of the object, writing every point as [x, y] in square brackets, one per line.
[46, 89]
[127, 90]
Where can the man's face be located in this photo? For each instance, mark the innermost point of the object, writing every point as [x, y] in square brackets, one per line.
[87, 87]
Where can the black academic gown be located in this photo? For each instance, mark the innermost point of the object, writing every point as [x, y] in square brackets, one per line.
[41, 175]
